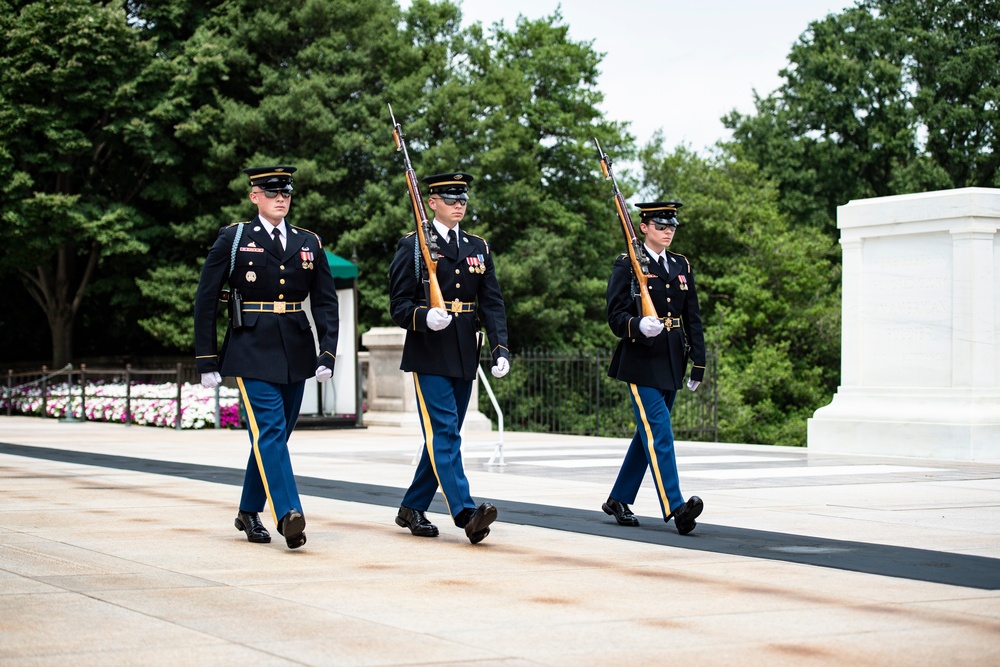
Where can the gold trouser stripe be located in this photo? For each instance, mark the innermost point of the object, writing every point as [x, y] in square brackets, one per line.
[654, 464]
[425, 416]
[252, 420]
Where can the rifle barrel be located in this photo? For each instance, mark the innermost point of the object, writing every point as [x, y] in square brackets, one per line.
[637, 258]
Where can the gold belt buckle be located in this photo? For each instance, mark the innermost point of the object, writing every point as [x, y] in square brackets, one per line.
[279, 307]
[456, 306]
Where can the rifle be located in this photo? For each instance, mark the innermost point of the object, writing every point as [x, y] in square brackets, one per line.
[425, 232]
[639, 259]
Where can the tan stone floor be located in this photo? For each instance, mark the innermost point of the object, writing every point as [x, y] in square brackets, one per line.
[115, 565]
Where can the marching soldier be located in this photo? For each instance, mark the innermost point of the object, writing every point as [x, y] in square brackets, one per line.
[271, 267]
[442, 352]
[652, 358]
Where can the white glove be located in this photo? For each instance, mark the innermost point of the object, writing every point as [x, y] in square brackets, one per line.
[323, 374]
[502, 368]
[693, 384]
[650, 326]
[437, 319]
[211, 380]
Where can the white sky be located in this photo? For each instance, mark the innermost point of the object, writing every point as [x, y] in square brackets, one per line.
[676, 65]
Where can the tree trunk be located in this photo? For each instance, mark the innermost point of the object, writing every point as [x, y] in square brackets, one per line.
[54, 291]
[61, 327]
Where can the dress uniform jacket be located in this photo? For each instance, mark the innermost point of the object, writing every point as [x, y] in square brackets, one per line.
[270, 346]
[465, 275]
[659, 362]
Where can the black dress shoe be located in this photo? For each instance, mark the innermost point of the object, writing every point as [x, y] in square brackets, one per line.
[477, 524]
[623, 515]
[249, 523]
[292, 526]
[684, 518]
[416, 522]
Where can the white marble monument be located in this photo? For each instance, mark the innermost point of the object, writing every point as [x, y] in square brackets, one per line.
[920, 367]
[392, 399]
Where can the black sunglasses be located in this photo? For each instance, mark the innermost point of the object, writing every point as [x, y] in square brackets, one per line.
[660, 226]
[271, 194]
[451, 201]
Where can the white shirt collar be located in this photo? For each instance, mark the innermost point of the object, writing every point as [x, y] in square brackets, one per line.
[442, 230]
[656, 257]
[270, 228]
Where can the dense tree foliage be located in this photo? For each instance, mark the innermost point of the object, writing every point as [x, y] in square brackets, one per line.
[124, 127]
[515, 108]
[79, 140]
[888, 97]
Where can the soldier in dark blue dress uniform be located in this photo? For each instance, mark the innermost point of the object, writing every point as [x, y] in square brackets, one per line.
[442, 352]
[652, 358]
[269, 347]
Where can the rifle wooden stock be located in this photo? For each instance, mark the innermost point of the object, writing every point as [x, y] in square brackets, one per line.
[638, 258]
[425, 234]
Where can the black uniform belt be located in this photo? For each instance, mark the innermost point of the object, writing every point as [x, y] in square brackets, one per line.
[670, 322]
[276, 307]
[457, 306]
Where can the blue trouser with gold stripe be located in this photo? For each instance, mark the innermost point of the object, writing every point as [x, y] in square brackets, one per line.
[272, 410]
[441, 402]
[652, 447]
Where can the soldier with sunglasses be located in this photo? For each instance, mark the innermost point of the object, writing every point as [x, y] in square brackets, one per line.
[272, 267]
[442, 351]
[652, 357]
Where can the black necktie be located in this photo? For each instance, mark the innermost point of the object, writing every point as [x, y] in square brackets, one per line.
[663, 265]
[452, 238]
[277, 241]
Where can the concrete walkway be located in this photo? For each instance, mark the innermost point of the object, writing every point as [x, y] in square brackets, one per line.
[117, 547]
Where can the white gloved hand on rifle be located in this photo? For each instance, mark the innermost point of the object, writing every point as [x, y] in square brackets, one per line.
[650, 326]
[437, 319]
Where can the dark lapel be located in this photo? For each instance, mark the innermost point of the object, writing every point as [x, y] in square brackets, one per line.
[259, 231]
[296, 240]
[465, 248]
[655, 268]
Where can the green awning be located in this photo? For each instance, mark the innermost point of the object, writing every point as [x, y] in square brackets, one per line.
[340, 267]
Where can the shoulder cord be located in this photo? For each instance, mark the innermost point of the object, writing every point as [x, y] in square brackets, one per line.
[236, 244]
[416, 259]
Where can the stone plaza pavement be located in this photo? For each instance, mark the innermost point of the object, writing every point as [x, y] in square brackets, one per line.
[117, 547]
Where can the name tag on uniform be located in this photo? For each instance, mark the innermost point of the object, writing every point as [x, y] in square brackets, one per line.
[242, 249]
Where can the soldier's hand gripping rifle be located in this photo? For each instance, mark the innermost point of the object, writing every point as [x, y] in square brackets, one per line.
[639, 259]
[425, 231]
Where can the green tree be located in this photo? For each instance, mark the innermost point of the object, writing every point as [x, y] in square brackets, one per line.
[888, 97]
[80, 133]
[306, 86]
[310, 86]
[532, 100]
[765, 290]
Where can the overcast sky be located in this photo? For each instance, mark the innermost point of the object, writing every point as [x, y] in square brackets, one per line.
[676, 65]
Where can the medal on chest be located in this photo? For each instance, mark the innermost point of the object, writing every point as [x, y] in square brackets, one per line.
[476, 264]
[307, 258]
[682, 279]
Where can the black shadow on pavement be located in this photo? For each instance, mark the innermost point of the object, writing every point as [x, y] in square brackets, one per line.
[890, 561]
